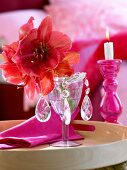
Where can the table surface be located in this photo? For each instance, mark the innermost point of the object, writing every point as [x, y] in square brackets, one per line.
[101, 148]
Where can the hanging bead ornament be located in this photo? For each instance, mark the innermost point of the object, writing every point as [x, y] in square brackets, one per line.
[86, 107]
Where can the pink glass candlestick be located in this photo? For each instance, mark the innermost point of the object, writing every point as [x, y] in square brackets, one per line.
[111, 106]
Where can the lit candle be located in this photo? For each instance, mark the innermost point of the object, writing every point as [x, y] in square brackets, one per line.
[108, 47]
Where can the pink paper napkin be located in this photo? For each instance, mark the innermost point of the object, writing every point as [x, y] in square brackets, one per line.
[32, 133]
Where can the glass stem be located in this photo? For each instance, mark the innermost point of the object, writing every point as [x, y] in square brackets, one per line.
[65, 131]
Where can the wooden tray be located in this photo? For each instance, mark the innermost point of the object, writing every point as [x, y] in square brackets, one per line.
[105, 146]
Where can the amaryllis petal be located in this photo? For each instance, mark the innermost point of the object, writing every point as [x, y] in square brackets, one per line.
[47, 83]
[52, 59]
[12, 46]
[60, 41]
[26, 28]
[72, 58]
[12, 79]
[45, 29]
[11, 73]
[27, 44]
[9, 51]
[63, 69]
[38, 85]
[30, 88]
[30, 68]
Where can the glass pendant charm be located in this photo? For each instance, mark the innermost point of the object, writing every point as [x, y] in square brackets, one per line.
[86, 107]
[42, 110]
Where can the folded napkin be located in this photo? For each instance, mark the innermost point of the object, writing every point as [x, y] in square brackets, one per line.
[32, 133]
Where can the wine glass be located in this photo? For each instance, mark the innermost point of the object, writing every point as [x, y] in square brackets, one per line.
[64, 99]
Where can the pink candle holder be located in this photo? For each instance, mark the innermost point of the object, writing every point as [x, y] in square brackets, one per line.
[110, 107]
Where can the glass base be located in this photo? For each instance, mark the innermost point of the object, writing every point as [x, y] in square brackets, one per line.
[65, 144]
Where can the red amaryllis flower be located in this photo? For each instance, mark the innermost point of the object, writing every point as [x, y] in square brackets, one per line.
[38, 56]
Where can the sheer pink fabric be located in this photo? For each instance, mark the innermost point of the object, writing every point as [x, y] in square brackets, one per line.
[85, 19]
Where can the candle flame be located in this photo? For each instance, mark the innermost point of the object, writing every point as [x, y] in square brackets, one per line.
[107, 34]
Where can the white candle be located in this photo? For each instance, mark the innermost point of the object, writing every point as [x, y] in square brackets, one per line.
[108, 48]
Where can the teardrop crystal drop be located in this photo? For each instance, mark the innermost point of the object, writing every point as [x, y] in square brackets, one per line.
[42, 110]
[67, 112]
[86, 108]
